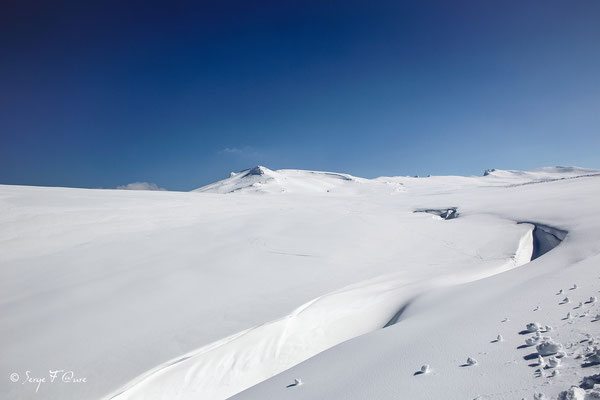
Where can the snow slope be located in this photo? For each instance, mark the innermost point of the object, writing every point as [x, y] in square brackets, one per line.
[200, 295]
[263, 180]
[443, 327]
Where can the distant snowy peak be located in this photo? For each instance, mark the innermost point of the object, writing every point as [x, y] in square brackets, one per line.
[263, 180]
[541, 174]
[248, 180]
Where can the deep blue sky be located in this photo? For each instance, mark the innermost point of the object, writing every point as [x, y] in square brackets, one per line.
[102, 93]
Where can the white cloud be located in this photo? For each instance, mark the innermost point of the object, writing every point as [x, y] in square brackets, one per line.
[243, 152]
[231, 150]
[140, 186]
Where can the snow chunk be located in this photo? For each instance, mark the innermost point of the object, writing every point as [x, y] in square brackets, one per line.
[548, 347]
[532, 327]
[553, 362]
[297, 382]
[589, 381]
[541, 361]
[471, 361]
[592, 395]
[574, 393]
[594, 357]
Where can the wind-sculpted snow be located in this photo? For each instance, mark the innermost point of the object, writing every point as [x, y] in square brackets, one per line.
[171, 380]
[546, 238]
[198, 295]
[443, 327]
[226, 367]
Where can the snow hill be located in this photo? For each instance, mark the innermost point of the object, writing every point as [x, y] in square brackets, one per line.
[330, 286]
[263, 180]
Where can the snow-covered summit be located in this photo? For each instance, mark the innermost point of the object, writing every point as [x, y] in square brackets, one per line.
[541, 174]
[263, 180]
[252, 178]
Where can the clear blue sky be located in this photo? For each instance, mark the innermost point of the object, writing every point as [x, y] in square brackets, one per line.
[103, 93]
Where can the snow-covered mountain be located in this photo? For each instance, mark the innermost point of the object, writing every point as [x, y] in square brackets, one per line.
[263, 180]
[349, 285]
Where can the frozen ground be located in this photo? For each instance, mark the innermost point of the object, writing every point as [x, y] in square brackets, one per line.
[202, 295]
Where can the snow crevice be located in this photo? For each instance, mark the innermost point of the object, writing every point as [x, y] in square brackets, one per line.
[538, 241]
[545, 238]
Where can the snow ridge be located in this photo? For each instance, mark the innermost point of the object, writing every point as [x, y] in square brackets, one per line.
[231, 365]
[262, 180]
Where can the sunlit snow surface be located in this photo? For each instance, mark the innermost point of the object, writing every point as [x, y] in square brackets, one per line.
[201, 295]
